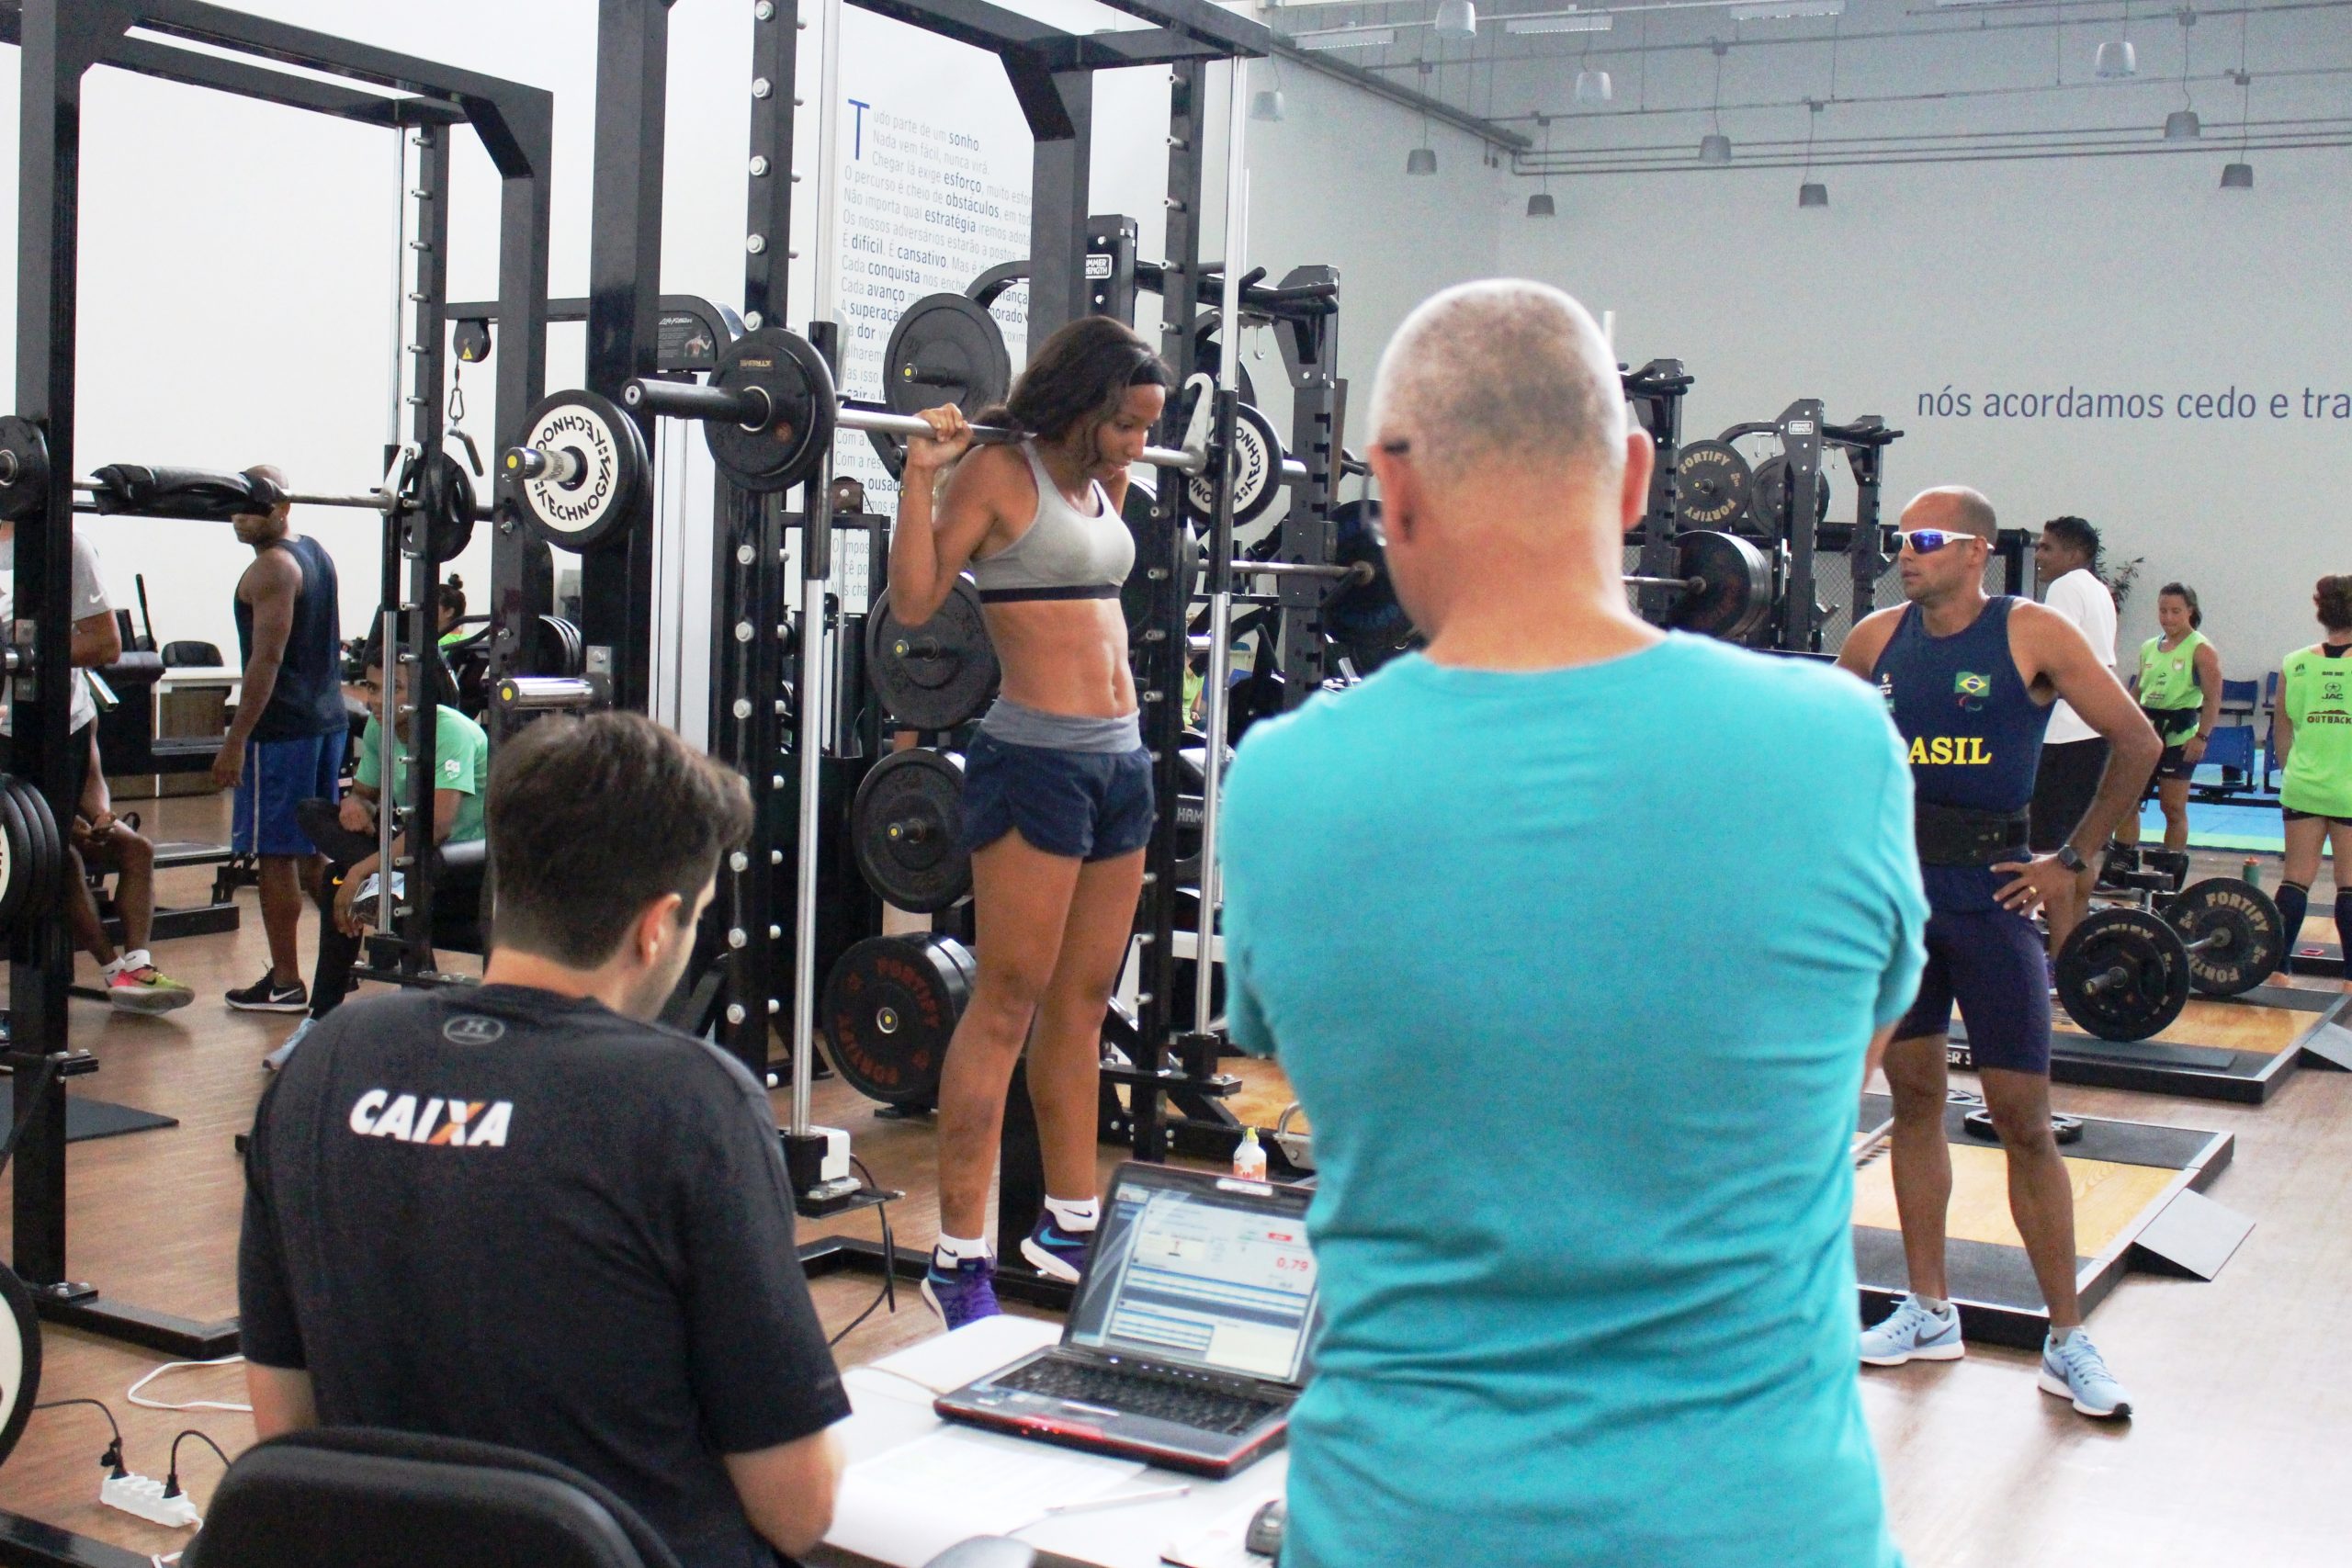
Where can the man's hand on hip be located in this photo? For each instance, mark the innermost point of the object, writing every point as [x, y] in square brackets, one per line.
[2037, 881]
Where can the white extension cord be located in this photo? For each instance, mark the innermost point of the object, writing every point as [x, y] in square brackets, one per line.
[143, 1497]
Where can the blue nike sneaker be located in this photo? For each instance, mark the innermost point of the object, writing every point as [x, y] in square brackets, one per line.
[1056, 1253]
[2076, 1371]
[1912, 1333]
[965, 1295]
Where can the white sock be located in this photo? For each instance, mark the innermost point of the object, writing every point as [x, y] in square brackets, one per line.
[1935, 1304]
[1072, 1216]
[2059, 1337]
[128, 964]
[951, 1250]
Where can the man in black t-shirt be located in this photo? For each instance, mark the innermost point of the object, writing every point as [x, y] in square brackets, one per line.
[522, 1215]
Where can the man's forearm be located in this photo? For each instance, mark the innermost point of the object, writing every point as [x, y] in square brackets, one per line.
[253, 695]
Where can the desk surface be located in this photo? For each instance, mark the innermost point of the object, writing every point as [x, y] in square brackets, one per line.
[917, 1485]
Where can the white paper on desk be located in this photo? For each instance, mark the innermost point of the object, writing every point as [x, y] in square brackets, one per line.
[1222, 1544]
[913, 1502]
[947, 1362]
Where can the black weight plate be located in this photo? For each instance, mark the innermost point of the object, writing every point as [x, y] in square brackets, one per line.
[602, 498]
[27, 493]
[890, 1007]
[1771, 494]
[449, 509]
[1257, 464]
[1135, 594]
[936, 675]
[788, 447]
[1736, 595]
[907, 825]
[19, 1360]
[2251, 935]
[2064, 1128]
[546, 651]
[946, 348]
[15, 863]
[2123, 975]
[1208, 357]
[1363, 620]
[45, 881]
[1712, 485]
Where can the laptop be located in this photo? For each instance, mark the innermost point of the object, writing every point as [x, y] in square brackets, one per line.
[1187, 1341]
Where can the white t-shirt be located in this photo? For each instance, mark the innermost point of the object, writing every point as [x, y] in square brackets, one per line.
[89, 599]
[2084, 600]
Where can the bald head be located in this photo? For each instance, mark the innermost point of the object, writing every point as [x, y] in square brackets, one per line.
[1502, 378]
[1956, 509]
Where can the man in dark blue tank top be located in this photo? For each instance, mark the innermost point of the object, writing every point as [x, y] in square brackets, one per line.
[286, 743]
[1970, 680]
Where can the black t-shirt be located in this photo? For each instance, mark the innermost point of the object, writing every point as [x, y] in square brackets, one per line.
[513, 1216]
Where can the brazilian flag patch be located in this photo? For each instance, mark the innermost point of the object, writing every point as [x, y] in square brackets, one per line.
[1971, 685]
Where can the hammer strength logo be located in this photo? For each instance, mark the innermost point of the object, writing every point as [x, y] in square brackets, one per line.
[444, 1124]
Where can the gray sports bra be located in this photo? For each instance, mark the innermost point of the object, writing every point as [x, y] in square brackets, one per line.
[1065, 554]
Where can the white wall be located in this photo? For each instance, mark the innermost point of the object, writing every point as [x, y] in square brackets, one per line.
[2128, 274]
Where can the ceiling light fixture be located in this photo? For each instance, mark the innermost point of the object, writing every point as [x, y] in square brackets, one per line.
[1347, 38]
[2237, 176]
[1267, 105]
[2182, 124]
[2117, 59]
[1716, 147]
[1784, 10]
[1539, 204]
[2240, 174]
[1810, 191]
[1572, 24]
[1456, 20]
[1594, 87]
[1421, 161]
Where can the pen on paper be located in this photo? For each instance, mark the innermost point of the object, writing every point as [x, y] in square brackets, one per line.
[1158, 1494]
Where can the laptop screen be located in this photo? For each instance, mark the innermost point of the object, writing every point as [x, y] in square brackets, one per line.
[1209, 1275]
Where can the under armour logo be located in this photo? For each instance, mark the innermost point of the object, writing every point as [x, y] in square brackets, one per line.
[472, 1030]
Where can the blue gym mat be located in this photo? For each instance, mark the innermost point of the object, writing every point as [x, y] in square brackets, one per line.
[2256, 829]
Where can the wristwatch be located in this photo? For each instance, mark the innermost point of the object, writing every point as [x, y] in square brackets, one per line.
[2069, 857]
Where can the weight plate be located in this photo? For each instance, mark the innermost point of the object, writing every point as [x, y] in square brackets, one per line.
[2246, 933]
[1736, 595]
[1363, 620]
[1257, 464]
[2123, 975]
[907, 824]
[1135, 594]
[890, 1007]
[946, 348]
[447, 502]
[1770, 493]
[550, 648]
[602, 498]
[938, 674]
[19, 1360]
[15, 861]
[1712, 485]
[788, 447]
[24, 469]
[45, 867]
[2064, 1128]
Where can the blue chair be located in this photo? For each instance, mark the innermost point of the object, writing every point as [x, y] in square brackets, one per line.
[2231, 746]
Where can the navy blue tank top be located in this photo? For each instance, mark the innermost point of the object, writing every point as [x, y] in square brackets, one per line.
[1972, 729]
[308, 698]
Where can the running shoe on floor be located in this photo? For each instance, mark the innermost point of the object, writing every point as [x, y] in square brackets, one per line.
[1912, 1333]
[146, 990]
[284, 1051]
[1056, 1253]
[2076, 1371]
[266, 995]
[965, 1295]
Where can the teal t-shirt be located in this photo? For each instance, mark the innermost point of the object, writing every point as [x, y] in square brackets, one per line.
[461, 762]
[1574, 972]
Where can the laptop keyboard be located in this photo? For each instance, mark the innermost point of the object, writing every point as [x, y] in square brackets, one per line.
[1140, 1394]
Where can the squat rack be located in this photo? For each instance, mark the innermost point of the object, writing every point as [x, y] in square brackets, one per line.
[60, 40]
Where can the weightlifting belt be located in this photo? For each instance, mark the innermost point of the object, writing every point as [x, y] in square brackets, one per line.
[1956, 835]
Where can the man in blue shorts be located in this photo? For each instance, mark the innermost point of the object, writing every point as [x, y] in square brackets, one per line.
[1654, 894]
[286, 743]
[1970, 679]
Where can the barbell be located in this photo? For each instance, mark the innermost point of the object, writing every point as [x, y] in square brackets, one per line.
[2125, 974]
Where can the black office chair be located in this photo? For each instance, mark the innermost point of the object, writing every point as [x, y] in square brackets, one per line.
[362, 1498]
[191, 655]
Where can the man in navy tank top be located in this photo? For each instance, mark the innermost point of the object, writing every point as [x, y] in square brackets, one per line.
[286, 743]
[1970, 679]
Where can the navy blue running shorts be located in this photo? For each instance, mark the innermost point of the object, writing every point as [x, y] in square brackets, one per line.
[1090, 805]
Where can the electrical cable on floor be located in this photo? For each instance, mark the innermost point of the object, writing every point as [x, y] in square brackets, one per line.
[226, 1405]
[889, 1291]
[112, 1458]
[172, 1476]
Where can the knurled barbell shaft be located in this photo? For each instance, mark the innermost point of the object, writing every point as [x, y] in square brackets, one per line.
[374, 501]
[1352, 572]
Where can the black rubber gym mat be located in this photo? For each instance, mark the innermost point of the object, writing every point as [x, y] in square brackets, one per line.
[1978, 1271]
[2118, 1143]
[86, 1118]
[2154, 1053]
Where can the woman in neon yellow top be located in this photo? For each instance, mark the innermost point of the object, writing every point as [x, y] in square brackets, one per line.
[2314, 727]
[2180, 691]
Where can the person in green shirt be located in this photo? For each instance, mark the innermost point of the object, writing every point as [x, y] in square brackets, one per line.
[2180, 691]
[2314, 731]
[460, 778]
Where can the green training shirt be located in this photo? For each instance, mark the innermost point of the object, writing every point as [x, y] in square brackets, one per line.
[2316, 693]
[2168, 684]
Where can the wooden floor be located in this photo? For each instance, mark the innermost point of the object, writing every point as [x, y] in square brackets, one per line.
[2238, 1457]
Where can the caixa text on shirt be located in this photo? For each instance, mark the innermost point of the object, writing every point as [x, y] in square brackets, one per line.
[446, 1124]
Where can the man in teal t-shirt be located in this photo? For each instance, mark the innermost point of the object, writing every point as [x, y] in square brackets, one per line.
[1573, 939]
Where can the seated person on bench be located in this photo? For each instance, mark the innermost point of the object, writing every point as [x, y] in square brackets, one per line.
[523, 1214]
[132, 982]
[348, 836]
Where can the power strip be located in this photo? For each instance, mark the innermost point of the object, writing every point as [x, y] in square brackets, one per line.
[143, 1497]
